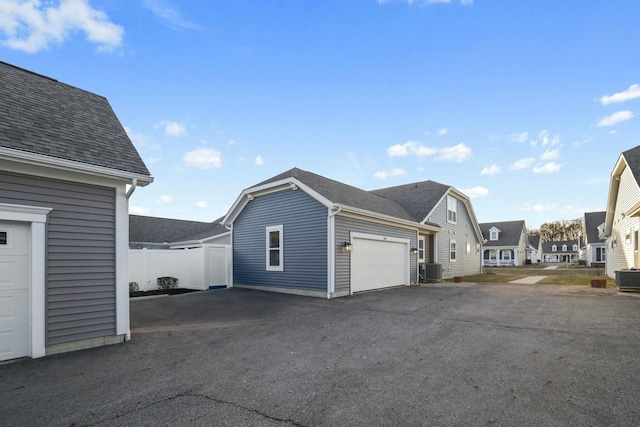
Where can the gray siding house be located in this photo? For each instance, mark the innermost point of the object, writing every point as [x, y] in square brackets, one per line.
[594, 247]
[622, 219]
[67, 169]
[506, 243]
[302, 233]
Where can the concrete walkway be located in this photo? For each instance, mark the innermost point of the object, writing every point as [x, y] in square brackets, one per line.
[530, 280]
[551, 267]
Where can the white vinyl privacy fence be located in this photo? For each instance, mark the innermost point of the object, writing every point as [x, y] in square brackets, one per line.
[199, 268]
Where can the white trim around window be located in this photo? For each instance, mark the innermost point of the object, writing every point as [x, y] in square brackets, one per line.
[453, 251]
[452, 210]
[274, 245]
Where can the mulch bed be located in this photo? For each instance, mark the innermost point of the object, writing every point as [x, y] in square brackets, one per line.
[176, 291]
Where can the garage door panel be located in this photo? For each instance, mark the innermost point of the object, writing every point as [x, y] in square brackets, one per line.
[377, 264]
[14, 290]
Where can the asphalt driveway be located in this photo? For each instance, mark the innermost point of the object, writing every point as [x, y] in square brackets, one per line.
[488, 354]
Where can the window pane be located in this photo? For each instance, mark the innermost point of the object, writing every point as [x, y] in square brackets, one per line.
[3, 237]
[274, 239]
[274, 258]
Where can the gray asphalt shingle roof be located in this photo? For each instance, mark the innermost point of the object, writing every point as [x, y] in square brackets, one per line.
[548, 246]
[153, 232]
[534, 241]
[591, 222]
[509, 235]
[418, 198]
[347, 195]
[632, 157]
[43, 116]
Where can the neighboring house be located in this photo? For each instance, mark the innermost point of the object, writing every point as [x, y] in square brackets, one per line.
[505, 244]
[457, 247]
[67, 169]
[561, 251]
[534, 251]
[623, 212]
[302, 233]
[146, 232]
[594, 247]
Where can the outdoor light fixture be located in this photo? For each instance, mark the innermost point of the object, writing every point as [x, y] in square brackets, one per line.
[414, 250]
[347, 246]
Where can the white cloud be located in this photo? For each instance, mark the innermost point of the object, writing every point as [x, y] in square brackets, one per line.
[476, 192]
[387, 174]
[231, 142]
[141, 141]
[547, 168]
[545, 139]
[443, 131]
[520, 137]
[152, 160]
[550, 154]
[30, 26]
[540, 207]
[523, 163]
[490, 170]
[206, 158]
[457, 153]
[171, 128]
[137, 210]
[615, 118]
[411, 147]
[259, 161]
[632, 92]
[201, 204]
[164, 200]
[170, 15]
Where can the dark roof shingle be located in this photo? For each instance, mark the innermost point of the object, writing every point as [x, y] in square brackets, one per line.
[591, 222]
[43, 116]
[510, 232]
[147, 231]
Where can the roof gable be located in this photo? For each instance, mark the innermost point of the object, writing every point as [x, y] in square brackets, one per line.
[344, 194]
[45, 117]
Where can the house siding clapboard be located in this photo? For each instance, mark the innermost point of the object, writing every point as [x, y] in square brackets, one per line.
[462, 232]
[304, 221]
[345, 225]
[621, 256]
[80, 254]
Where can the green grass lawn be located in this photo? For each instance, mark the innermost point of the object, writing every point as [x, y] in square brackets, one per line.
[576, 279]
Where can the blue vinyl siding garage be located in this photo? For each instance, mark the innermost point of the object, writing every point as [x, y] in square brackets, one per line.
[304, 223]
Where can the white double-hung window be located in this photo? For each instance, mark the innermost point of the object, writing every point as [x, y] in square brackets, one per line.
[452, 210]
[275, 248]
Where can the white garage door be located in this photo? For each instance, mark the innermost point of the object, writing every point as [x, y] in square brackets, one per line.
[378, 263]
[14, 290]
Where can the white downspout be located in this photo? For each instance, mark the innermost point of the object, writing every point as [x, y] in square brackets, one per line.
[134, 184]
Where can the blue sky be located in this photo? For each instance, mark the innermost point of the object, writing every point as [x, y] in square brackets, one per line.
[524, 105]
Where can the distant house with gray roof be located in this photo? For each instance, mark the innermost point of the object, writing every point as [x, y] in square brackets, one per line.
[566, 251]
[594, 246]
[299, 232]
[622, 219]
[506, 243]
[67, 170]
[534, 252]
[146, 232]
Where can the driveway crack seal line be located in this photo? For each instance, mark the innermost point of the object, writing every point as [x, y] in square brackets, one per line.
[224, 402]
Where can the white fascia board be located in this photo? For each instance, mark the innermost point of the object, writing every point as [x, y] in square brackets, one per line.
[614, 185]
[72, 166]
[176, 245]
[387, 218]
[272, 187]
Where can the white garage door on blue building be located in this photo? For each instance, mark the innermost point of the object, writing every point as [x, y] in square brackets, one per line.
[378, 262]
